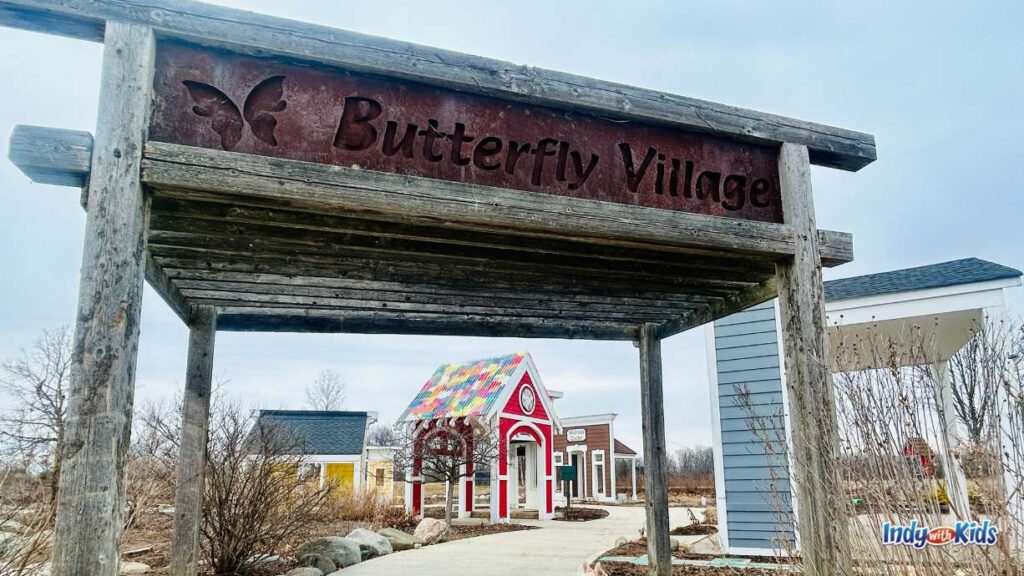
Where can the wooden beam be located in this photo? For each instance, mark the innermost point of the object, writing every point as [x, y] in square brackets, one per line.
[251, 319]
[90, 510]
[52, 155]
[752, 296]
[195, 426]
[367, 273]
[652, 404]
[31, 145]
[497, 309]
[225, 211]
[261, 35]
[411, 299]
[818, 487]
[496, 263]
[478, 295]
[165, 288]
[316, 186]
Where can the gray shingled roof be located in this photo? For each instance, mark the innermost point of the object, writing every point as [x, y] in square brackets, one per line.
[321, 432]
[954, 273]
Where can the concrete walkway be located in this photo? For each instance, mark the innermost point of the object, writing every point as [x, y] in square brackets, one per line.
[557, 549]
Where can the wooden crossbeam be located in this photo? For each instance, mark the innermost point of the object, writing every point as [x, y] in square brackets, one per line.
[201, 207]
[52, 155]
[742, 300]
[258, 34]
[695, 233]
[249, 319]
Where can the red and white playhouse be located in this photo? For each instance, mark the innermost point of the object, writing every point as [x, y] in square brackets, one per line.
[504, 394]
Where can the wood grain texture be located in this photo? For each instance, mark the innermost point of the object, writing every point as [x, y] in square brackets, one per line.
[309, 185]
[652, 404]
[258, 34]
[195, 426]
[252, 319]
[720, 308]
[90, 508]
[36, 143]
[821, 504]
[52, 155]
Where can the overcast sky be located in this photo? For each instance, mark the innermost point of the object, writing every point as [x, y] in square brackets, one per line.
[939, 84]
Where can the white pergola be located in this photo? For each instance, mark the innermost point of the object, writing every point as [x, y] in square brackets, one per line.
[928, 326]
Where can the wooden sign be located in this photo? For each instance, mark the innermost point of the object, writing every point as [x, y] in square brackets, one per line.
[576, 435]
[259, 106]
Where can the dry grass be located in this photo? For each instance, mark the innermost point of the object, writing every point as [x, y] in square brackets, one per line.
[879, 412]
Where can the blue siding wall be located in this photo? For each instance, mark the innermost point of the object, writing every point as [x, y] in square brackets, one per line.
[757, 491]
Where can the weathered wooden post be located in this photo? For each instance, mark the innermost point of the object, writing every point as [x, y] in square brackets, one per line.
[659, 546]
[90, 501]
[195, 425]
[822, 518]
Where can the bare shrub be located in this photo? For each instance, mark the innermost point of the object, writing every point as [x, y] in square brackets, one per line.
[253, 501]
[889, 417]
[367, 506]
[26, 514]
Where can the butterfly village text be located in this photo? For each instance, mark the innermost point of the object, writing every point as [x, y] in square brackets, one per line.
[448, 135]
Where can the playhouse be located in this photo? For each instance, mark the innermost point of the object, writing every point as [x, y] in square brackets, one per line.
[503, 394]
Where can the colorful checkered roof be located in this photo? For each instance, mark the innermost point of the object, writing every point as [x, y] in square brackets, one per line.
[461, 390]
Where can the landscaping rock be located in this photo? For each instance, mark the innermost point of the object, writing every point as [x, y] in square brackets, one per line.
[264, 559]
[134, 568]
[680, 546]
[304, 571]
[317, 561]
[431, 531]
[342, 551]
[400, 540]
[12, 527]
[371, 543]
[621, 540]
[706, 545]
[7, 540]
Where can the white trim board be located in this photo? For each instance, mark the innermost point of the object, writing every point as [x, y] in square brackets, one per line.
[716, 436]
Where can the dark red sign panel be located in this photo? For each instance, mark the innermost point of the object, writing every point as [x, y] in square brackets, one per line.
[240, 103]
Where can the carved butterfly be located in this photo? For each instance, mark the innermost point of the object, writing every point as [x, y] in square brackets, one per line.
[260, 105]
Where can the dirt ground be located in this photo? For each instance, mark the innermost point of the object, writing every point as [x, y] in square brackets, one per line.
[623, 569]
[639, 548]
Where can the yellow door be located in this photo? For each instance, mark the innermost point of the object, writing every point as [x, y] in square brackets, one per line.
[342, 475]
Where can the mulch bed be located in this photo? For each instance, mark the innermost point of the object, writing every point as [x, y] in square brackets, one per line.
[639, 548]
[694, 529]
[463, 532]
[579, 514]
[624, 569]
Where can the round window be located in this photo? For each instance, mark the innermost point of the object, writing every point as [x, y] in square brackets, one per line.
[527, 400]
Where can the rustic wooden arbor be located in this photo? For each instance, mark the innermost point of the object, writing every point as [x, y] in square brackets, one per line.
[262, 175]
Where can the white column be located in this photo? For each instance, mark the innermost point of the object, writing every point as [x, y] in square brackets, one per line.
[463, 494]
[997, 319]
[956, 482]
[531, 476]
[632, 472]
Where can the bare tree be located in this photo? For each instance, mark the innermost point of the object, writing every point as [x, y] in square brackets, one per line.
[327, 392]
[974, 377]
[382, 434]
[446, 454]
[695, 461]
[37, 382]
